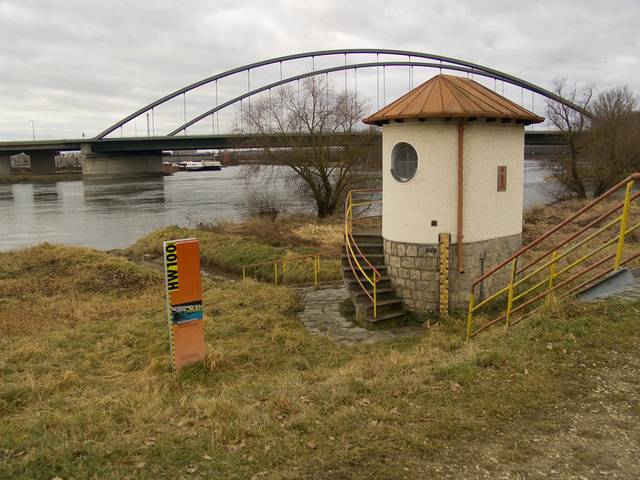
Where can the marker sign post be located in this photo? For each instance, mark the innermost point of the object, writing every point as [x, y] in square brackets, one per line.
[184, 301]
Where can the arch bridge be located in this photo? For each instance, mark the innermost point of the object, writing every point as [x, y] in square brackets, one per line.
[168, 122]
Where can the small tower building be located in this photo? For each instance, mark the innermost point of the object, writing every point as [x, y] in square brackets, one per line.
[453, 163]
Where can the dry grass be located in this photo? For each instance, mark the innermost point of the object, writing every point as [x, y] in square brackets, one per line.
[284, 231]
[64, 287]
[93, 398]
[327, 235]
[540, 218]
[226, 250]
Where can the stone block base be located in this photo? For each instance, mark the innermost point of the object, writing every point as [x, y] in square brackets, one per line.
[5, 165]
[414, 271]
[43, 163]
[126, 165]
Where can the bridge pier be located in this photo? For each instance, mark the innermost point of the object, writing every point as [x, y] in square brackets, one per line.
[120, 164]
[43, 162]
[5, 164]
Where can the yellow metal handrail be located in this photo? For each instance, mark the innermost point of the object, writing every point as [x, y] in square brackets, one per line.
[280, 273]
[351, 246]
[524, 277]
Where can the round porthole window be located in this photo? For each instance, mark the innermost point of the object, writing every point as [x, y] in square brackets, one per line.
[404, 162]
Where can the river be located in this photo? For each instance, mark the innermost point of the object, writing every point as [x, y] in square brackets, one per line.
[113, 214]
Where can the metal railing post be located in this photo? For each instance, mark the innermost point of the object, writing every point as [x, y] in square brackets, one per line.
[552, 268]
[275, 272]
[284, 271]
[514, 267]
[470, 313]
[375, 298]
[624, 220]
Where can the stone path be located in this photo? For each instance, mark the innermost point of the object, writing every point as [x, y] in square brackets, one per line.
[322, 316]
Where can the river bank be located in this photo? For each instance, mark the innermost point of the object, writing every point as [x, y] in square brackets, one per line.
[114, 214]
[85, 388]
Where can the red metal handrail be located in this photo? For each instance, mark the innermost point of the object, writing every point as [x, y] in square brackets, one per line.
[589, 206]
[527, 283]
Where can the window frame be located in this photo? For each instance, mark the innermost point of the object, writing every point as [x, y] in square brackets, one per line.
[394, 172]
[502, 178]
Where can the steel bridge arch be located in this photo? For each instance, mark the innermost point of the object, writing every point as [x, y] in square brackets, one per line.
[448, 63]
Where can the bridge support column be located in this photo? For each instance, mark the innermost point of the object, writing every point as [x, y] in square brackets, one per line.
[121, 164]
[5, 165]
[43, 162]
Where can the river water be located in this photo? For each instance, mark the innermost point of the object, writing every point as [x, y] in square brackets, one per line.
[114, 214]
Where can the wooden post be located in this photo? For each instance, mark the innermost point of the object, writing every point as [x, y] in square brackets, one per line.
[444, 239]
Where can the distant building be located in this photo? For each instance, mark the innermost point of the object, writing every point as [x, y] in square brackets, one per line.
[21, 160]
[68, 160]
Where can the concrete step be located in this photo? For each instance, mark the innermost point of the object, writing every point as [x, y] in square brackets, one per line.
[380, 267]
[383, 281]
[365, 308]
[369, 243]
[384, 307]
[373, 257]
[368, 232]
[388, 305]
[368, 236]
[381, 293]
[383, 303]
[381, 317]
[346, 269]
[369, 248]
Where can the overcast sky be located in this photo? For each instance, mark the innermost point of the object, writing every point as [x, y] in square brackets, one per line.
[78, 66]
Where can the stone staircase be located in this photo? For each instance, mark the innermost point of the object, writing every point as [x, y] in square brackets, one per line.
[389, 306]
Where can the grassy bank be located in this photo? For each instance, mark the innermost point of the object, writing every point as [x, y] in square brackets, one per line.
[85, 391]
[227, 247]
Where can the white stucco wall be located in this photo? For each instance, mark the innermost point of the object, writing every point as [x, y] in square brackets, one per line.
[409, 207]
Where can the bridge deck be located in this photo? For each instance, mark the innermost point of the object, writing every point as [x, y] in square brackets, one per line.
[203, 142]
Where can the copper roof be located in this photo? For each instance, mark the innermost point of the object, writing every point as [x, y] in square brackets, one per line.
[448, 96]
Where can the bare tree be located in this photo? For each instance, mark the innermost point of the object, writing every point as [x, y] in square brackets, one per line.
[572, 123]
[614, 138]
[310, 116]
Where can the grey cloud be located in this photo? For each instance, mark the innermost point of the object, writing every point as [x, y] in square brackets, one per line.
[77, 66]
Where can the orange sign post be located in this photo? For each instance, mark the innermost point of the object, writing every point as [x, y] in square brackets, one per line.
[184, 301]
